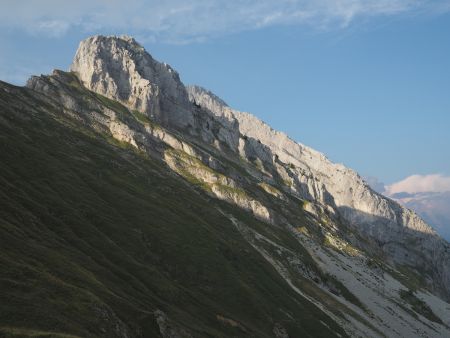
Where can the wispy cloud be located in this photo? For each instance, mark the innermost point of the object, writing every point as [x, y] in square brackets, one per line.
[195, 20]
[420, 184]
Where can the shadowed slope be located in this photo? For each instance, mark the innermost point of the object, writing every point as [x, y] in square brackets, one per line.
[100, 240]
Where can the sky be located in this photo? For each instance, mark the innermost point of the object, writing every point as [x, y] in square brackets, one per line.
[365, 82]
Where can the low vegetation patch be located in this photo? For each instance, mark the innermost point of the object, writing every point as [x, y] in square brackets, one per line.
[270, 189]
[340, 245]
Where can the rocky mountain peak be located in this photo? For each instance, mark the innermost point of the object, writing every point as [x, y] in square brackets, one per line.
[119, 68]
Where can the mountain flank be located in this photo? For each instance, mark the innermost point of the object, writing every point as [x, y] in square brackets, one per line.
[136, 206]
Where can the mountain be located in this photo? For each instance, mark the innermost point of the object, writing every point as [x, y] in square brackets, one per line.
[136, 206]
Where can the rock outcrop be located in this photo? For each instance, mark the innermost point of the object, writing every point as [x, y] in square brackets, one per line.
[120, 68]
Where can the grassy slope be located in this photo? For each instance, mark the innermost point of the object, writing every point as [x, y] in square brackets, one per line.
[92, 235]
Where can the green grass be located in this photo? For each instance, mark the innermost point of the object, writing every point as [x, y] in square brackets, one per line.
[114, 105]
[143, 118]
[339, 245]
[270, 189]
[96, 237]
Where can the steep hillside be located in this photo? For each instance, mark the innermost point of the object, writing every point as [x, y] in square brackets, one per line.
[99, 239]
[134, 206]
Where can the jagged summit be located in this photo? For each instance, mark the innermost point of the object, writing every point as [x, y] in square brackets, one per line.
[121, 69]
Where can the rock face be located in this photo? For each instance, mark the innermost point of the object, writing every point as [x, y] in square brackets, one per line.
[331, 183]
[119, 68]
[313, 177]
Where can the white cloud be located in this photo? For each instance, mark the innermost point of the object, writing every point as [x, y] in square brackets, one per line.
[194, 20]
[419, 184]
[52, 28]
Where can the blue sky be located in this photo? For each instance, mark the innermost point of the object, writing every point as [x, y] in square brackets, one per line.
[365, 82]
